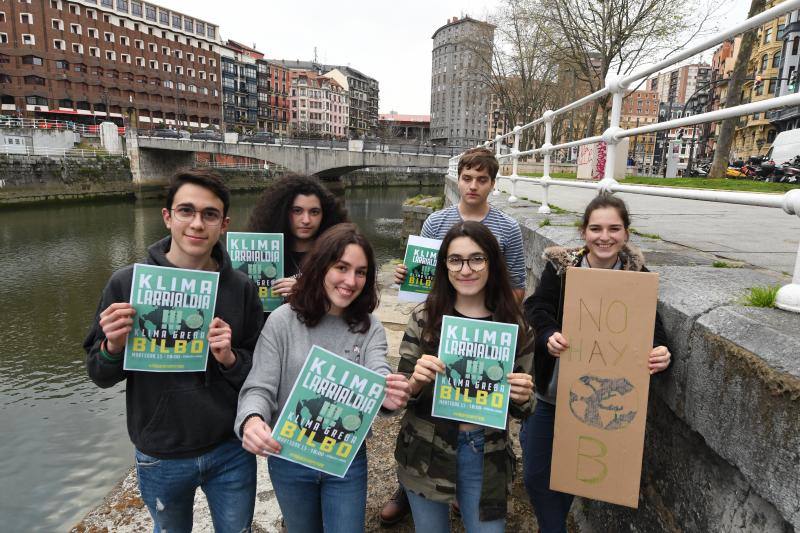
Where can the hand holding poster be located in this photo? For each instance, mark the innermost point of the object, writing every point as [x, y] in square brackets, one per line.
[329, 412]
[174, 308]
[603, 383]
[420, 260]
[260, 256]
[478, 355]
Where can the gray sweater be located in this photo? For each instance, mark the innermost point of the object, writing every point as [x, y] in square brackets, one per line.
[281, 352]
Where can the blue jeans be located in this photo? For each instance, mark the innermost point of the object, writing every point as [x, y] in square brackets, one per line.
[536, 438]
[227, 475]
[434, 517]
[312, 501]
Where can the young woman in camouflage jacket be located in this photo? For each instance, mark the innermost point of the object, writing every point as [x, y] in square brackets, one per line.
[443, 461]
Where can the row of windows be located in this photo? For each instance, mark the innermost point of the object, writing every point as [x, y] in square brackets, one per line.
[167, 84]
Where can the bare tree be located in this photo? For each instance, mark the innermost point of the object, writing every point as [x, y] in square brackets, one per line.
[598, 37]
[725, 140]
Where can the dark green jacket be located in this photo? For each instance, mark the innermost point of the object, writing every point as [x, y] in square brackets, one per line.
[426, 445]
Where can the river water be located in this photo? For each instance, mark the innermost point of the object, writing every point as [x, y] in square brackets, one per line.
[64, 442]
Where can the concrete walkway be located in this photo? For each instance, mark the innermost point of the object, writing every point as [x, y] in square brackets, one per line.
[760, 236]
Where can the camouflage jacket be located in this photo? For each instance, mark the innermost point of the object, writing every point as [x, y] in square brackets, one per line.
[426, 446]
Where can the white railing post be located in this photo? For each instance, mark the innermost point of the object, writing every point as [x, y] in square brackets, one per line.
[514, 164]
[616, 88]
[788, 297]
[546, 147]
[496, 190]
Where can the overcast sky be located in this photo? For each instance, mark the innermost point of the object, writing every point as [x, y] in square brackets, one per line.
[389, 41]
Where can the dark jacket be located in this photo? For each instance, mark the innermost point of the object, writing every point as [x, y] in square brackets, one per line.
[182, 414]
[544, 308]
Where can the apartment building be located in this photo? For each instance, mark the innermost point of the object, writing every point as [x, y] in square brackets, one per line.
[640, 108]
[121, 60]
[319, 106]
[274, 106]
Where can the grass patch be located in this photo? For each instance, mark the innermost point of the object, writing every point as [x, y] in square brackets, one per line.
[761, 296]
[424, 200]
[545, 222]
[643, 234]
[720, 264]
[723, 184]
[557, 210]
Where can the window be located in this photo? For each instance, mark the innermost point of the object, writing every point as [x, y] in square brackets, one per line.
[189, 56]
[204, 90]
[94, 51]
[67, 103]
[200, 27]
[152, 47]
[91, 14]
[192, 89]
[75, 9]
[153, 64]
[150, 12]
[165, 50]
[35, 80]
[77, 48]
[26, 18]
[57, 24]
[188, 25]
[202, 59]
[179, 70]
[176, 21]
[55, 4]
[124, 41]
[75, 28]
[111, 55]
[122, 6]
[776, 59]
[136, 9]
[202, 74]
[108, 37]
[139, 44]
[58, 44]
[167, 67]
[213, 76]
[212, 62]
[2, 17]
[181, 86]
[795, 45]
[167, 84]
[92, 32]
[125, 58]
[211, 33]
[179, 54]
[764, 62]
[768, 35]
[3, 38]
[190, 72]
[106, 3]
[32, 60]
[163, 17]
[140, 62]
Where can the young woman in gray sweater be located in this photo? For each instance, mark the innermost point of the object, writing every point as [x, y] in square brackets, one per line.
[332, 308]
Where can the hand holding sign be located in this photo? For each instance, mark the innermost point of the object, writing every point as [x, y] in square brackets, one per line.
[659, 359]
[521, 387]
[425, 372]
[556, 344]
[219, 340]
[257, 438]
[398, 391]
[117, 321]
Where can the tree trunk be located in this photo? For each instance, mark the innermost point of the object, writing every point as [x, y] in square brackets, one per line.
[725, 140]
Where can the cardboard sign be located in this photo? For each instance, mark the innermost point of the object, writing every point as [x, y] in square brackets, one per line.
[174, 308]
[603, 382]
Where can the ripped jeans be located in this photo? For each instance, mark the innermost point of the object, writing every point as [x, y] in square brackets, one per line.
[227, 475]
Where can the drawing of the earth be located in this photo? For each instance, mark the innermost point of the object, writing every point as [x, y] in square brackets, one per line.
[603, 402]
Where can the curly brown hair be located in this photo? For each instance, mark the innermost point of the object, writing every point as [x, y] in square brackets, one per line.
[271, 212]
[309, 300]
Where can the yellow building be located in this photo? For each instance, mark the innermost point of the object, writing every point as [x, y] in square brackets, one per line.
[754, 133]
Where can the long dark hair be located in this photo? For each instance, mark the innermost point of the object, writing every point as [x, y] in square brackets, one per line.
[271, 212]
[499, 297]
[309, 300]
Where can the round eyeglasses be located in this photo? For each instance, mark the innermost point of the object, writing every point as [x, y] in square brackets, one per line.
[186, 213]
[476, 263]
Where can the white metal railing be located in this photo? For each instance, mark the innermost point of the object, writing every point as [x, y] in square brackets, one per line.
[789, 295]
[30, 151]
[7, 121]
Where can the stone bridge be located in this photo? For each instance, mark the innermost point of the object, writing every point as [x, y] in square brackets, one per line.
[154, 159]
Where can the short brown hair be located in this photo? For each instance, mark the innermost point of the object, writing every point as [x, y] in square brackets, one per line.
[479, 159]
[201, 177]
[308, 298]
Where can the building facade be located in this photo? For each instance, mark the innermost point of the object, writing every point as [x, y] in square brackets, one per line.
[459, 101]
[788, 118]
[123, 60]
[754, 133]
[319, 106]
[274, 107]
[240, 87]
[678, 85]
[640, 108]
[415, 128]
[722, 63]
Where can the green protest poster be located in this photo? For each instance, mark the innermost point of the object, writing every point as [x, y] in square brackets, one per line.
[174, 308]
[420, 260]
[478, 355]
[260, 256]
[329, 412]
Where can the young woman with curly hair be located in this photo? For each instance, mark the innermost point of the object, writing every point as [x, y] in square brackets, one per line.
[301, 208]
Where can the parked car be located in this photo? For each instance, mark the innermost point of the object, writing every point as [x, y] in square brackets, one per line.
[259, 137]
[207, 135]
[167, 133]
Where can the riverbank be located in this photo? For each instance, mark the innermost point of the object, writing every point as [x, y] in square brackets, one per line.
[124, 511]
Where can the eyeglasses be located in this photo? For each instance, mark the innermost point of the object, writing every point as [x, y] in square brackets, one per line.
[476, 263]
[186, 213]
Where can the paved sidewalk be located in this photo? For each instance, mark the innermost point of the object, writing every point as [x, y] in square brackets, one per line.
[760, 236]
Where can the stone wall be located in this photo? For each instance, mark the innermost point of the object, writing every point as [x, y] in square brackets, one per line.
[26, 179]
[413, 218]
[722, 450]
[388, 178]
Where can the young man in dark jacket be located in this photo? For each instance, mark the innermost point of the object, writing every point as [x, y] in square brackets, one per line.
[180, 422]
